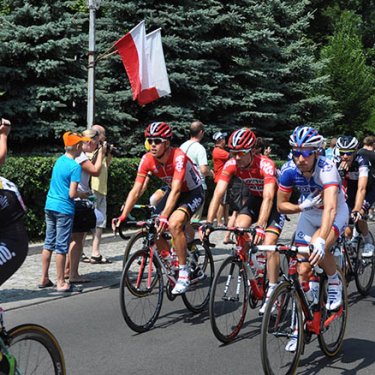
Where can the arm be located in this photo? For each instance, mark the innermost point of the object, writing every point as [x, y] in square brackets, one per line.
[94, 169]
[329, 211]
[132, 198]
[361, 193]
[283, 204]
[269, 191]
[4, 131]
[206, 171]
[219, 192]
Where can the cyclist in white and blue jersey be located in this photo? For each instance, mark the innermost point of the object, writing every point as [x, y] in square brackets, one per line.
[324, 213]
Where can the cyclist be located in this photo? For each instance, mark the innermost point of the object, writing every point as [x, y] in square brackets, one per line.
[182, 199]
[13, 236]
[354, 169]
[258, 174]
[323, 209]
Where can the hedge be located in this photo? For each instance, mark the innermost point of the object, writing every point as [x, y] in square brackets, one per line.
[32, 176]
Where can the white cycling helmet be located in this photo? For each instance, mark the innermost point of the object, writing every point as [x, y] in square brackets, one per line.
[305, 136]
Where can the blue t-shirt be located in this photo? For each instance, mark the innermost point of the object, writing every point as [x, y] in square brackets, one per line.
[64, 172]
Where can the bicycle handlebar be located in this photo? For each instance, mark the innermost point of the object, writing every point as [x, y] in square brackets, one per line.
[306, 250]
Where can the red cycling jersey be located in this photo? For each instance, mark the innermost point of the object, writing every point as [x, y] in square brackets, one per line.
[261, 172]
[219, 157]
[177, 167]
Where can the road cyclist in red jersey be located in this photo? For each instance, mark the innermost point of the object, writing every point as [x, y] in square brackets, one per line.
[258, 174]
[181, 200]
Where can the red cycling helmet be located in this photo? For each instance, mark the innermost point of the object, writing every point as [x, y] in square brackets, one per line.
[242, 139]
[159, 130]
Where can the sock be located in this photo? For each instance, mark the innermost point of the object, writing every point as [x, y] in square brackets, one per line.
[183, 270]
[333, 278]
[271, 287]
[355, 233]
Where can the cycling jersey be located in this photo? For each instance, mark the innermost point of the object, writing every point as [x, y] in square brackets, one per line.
[325, 175]
[178, 167]
[261, 172]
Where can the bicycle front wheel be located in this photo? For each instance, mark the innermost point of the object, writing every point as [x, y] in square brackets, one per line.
[141, 291]
[282, 322]
[364, 270]
[201, 266]
[333, 323]
[36, 350]
[228, 300]
[136, 242]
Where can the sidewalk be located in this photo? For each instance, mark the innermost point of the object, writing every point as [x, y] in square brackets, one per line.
[21, 289]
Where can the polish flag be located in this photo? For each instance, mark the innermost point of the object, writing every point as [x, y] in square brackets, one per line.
[143, 59]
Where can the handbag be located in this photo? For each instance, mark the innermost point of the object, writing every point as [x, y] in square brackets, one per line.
[84, 214]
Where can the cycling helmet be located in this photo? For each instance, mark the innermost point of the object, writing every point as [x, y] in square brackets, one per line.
[159, 129]
[242, 139]
[305, 136]
[347, 142]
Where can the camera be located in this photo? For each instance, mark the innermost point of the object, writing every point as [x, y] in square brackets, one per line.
[111, 149]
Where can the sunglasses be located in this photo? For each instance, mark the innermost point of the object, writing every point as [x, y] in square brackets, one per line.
[240, 152]
[346, 152]
[304, 153]
[156, 141]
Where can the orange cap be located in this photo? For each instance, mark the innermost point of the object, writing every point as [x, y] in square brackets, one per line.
[71, 139]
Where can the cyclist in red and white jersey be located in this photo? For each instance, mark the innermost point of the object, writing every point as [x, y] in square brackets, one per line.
[258, 173]
[182, 198]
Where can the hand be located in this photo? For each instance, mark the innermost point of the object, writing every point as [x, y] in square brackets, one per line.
[116, 223]
[313, 200]
[356, 215]
[319, 251]
[205, 230]
[162, 223]
[259, 235]
[4, 126]
[103, 148]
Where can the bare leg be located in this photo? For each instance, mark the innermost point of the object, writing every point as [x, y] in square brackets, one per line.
[60, 267]
[75, 252]
[96, 242]
[46, 261]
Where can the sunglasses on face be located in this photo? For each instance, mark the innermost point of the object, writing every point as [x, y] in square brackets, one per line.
[304, 153]
[346, 152]
[156, 141]
[240, 152]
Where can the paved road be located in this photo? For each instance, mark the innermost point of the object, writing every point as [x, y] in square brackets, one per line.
[96, 340]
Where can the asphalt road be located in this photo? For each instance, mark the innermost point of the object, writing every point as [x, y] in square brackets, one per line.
[96, 340]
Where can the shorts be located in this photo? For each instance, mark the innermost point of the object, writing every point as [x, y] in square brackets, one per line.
[84, 217]
[101, 205]
[14, 246]
[58, 231]
[189, 201]
[275, 221]
[310, 221]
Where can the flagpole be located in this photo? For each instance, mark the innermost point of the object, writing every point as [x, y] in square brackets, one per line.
[93, 7]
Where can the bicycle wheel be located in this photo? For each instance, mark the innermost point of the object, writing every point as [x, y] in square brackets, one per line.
[333, 323]
[364, 270]
[36, 350]
[228, 300]
[281, 321]
[141, 291]
[201, 266]
[137, 242]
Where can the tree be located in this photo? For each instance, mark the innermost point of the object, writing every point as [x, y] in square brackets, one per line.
[351, 82]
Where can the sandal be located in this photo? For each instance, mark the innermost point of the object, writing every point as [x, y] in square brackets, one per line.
[85, 258]
[99, 260]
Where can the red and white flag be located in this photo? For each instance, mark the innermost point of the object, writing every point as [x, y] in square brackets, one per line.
[143, 59]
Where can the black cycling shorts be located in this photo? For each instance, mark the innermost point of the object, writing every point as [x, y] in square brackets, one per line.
[14, 245]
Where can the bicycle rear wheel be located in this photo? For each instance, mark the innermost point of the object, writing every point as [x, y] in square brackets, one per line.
[201, 266]
[137, 242]
[141, 291]
[228, 300]
[364, 270]
[36, 350]
[282, 320]
[333, 323]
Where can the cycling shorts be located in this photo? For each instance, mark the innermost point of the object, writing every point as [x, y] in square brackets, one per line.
[310, 221]
[14, 246]
[188, 201]
[275, 221]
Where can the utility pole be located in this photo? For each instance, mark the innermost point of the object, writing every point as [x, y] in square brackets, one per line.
[93, 7]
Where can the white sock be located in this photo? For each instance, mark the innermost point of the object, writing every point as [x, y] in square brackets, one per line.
[333, 278]
[183, 270]
[271, 288]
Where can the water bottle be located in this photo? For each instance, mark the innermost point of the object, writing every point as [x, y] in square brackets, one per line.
[337, 253]
[314, 288]
[307, 291]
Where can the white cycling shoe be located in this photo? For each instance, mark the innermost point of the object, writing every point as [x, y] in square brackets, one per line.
[182, 285]
[368, 250]
[291, 345]
[334, 295]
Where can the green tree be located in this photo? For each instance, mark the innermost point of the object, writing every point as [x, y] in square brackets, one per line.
[351, 82]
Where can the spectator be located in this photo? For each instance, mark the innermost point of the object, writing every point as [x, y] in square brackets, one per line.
[262, 147]
[220, 157]
[329, 151]
[198, 155]
[84, 218]
[99, 188]
[59, 210]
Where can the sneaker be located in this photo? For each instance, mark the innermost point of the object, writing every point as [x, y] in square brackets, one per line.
[264, 306]
[182, 285]
[291, 345]
[334, 295]
[368, 250]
